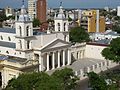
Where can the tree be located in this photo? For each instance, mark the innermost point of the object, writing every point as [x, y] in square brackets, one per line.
[36, 22]
[116, 28]
[112, 52]
[97, 82]
[66, 77]
[11, 17]
[105, 81]
[29, 81]
[60, 80]
[103, 12]
[78, 34]
[3, 18]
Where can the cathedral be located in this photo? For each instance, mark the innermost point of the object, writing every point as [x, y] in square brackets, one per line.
[23, 50]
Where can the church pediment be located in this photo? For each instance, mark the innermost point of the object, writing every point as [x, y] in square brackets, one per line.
[57, 44]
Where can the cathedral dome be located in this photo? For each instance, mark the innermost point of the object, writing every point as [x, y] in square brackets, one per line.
[61, 14]
[23, 16]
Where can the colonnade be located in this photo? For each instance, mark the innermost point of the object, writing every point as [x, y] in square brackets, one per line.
[57, 59]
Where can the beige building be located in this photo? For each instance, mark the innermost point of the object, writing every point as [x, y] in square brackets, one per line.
[9, 11]
[32, 8]
[91, 21]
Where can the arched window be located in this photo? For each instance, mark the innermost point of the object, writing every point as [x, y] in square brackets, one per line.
[9, 38]
[1, 37]
[58, 26]
[20, 44]
[27, 31]
[20, 30]
[7, 52]
[64, 26]
[28, 44]
[65, 38]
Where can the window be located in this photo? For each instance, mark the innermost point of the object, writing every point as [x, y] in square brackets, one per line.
[9, 38]
[1, 37]
[7, 52]
[20, 30]
[27, 31]
[28, 44]
[64, 26]
[65, 38]
[20, 44]
[58, 26]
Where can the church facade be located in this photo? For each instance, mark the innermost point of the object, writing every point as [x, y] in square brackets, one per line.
[23, 49]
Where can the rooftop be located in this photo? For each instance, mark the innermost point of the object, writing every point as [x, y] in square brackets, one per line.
[7, 44]
[8, 30]
[12, 59]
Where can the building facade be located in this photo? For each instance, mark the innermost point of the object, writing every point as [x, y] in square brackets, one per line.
[32, 8]
[118, 11]
[23, 48]
[9, 11]
[41, 10]
[91, 21]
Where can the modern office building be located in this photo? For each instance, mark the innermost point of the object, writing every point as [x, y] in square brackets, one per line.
[41, 10]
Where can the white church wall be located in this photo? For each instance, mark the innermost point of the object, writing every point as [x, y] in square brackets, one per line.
[23, 28]
[50, 37]
[8, 74]
[8, 37]
[94, 51]
[42, 40]
[11, 52]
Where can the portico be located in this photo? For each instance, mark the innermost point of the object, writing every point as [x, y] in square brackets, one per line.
[57, 59]
[53, 56]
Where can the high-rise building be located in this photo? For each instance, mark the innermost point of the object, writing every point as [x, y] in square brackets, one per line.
[118, 11]
[92, 22]
[41, 10]
[32, 8]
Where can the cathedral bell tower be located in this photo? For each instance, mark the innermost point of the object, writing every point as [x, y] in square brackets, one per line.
[61, 23]
[24, 30]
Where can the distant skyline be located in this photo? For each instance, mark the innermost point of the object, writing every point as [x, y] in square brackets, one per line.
[66, 3]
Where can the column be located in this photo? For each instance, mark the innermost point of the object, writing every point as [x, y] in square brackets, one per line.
[58, 59]
[48, 62]
[53, 60]
[40, 62]
[81, 54]
[69, 57]
[63, 58]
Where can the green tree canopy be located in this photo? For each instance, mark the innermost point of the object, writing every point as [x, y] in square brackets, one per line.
[97, 82]
[36, 22]
[78, 34]
[112, 52]
[60, 80]
[3, 18]
[66, 77]
[116, 28]
[105, 81]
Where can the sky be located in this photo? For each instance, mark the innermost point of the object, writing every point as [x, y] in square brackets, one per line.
[66, 3]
